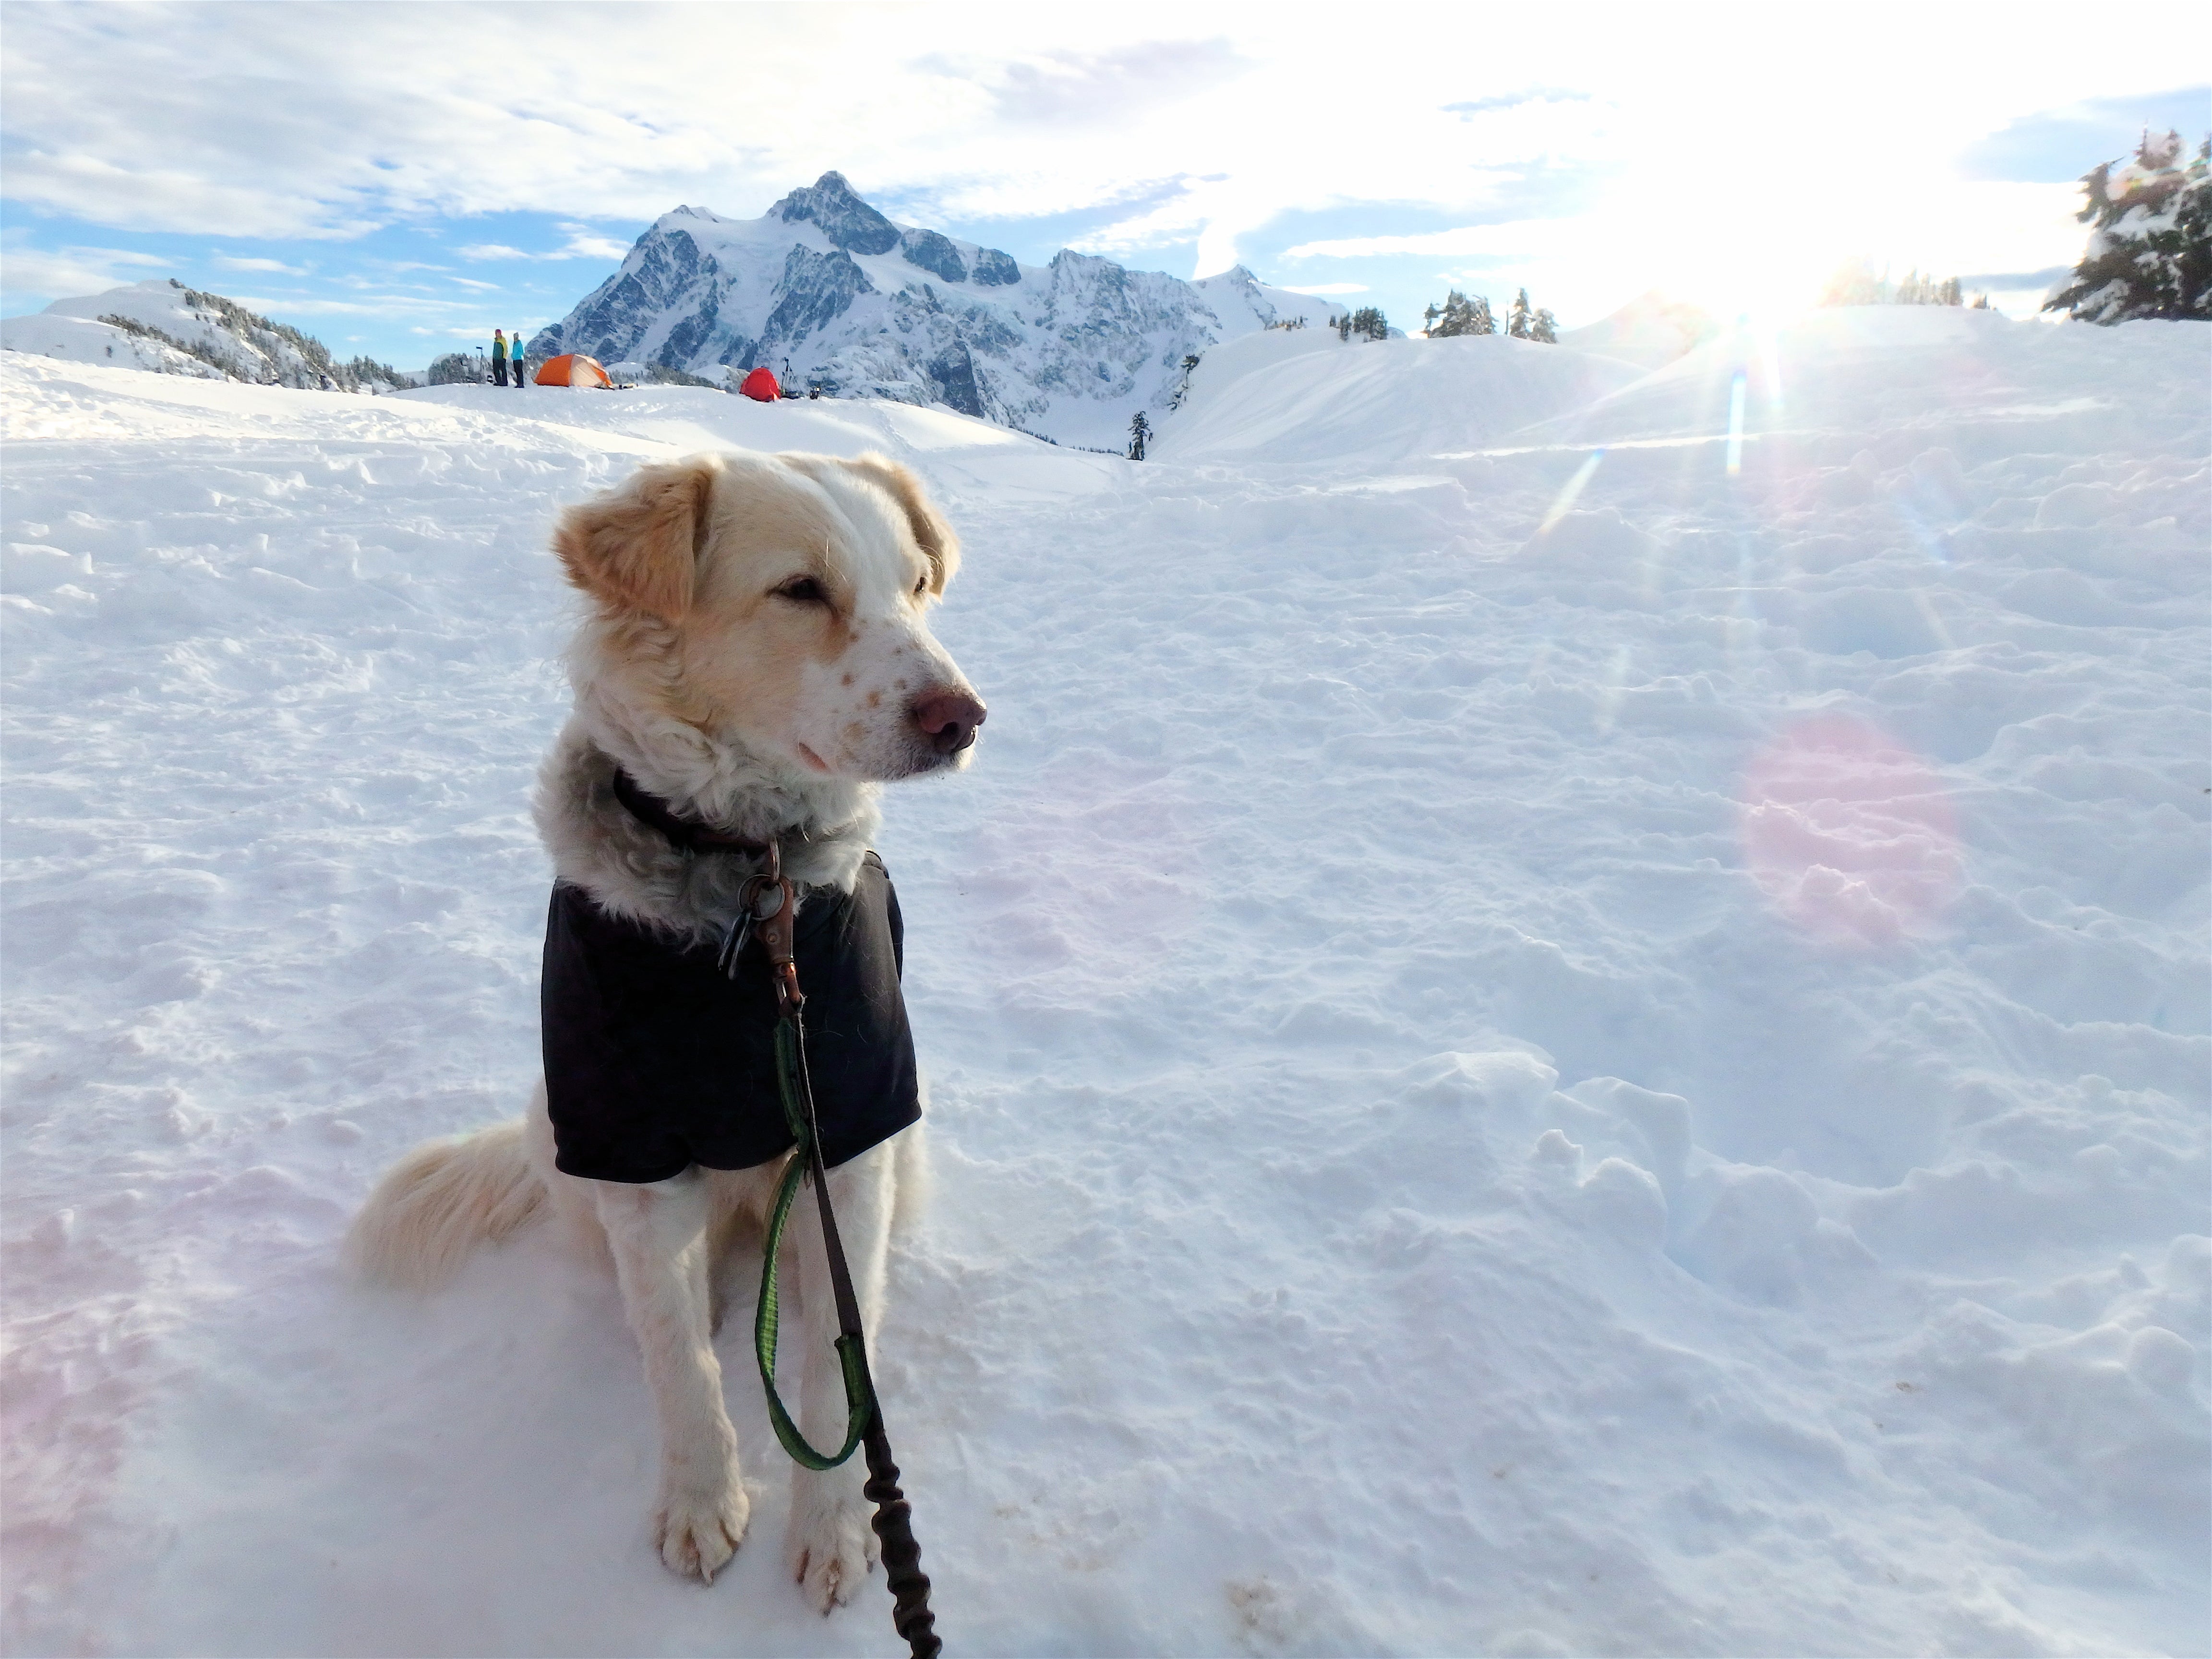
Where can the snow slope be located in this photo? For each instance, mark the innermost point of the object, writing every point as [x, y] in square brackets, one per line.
[1535, 1051]
[225, 338]
[88, 340]
[1305, 397]
[1650, 330]
[823, 288]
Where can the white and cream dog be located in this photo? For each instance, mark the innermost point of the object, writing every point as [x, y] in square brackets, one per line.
[756, 657]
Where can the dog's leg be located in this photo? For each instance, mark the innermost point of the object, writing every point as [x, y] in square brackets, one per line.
[659, 1237]
[830, 1544]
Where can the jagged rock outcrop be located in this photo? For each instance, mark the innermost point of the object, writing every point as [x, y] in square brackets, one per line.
[934, 253]
[849, 222]
[825, 289]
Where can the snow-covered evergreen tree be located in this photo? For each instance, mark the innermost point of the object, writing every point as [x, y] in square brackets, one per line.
[1182, 386]
[1368, 322]
[1460, 315]
[1140, 429]
[1517, 321]
[2150, 245]
[1543, 327]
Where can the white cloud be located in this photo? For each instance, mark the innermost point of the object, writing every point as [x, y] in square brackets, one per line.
[231, 262]
[37, 273]
[1322, 291]
[1696, 122]
[583, 244]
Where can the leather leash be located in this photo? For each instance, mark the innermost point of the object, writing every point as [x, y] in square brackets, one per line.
[768, 906]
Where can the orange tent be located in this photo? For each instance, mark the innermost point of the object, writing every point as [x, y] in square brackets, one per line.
[574, 368]
[760, 386]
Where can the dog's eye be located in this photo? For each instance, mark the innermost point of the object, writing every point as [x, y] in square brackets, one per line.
[921, 587]
[803, 590]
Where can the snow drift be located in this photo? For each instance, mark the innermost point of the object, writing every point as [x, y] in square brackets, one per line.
[1535, 1050]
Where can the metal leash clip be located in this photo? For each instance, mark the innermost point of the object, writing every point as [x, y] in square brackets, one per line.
[759, 899]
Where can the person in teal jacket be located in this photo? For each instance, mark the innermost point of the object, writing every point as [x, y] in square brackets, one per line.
[498, 358]
[521, 379]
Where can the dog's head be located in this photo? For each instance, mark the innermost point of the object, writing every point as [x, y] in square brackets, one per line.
[783, 601]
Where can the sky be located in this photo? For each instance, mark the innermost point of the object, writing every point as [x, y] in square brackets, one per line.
[398, 178]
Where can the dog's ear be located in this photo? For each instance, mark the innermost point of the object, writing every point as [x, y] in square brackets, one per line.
[637, 547]
[935, 537]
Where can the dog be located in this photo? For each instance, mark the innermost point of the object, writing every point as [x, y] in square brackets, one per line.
[755, 664]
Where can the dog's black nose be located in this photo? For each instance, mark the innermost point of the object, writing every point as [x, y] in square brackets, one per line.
[948, 719]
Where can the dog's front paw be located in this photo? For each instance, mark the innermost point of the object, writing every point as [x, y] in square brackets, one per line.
[830, 1546]
[698, 1529]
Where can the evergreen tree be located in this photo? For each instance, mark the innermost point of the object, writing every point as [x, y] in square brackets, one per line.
[1368, 322]
[2150, 245]
[1517, 320]
[1544, 328]
[1182, 386]
[1460, 315]
[1854, 284]
[1344, 326]
[1140, 429]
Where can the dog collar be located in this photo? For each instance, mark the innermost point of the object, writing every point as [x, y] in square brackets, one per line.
[686, 833]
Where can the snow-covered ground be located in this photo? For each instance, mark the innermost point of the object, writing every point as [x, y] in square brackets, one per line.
[1578, 1039]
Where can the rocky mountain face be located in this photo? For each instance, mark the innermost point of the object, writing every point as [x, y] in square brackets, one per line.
[825, 290]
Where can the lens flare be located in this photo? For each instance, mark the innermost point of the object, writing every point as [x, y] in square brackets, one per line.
[1568, 492]
[1849, 834]
[1736, 423]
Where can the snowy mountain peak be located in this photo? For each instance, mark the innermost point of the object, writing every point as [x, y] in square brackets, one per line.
[845, 219]
[826, 289]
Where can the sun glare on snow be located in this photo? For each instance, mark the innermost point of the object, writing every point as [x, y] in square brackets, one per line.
[1850, 834]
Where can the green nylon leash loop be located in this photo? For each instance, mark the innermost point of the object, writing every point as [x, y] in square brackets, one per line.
[859, 1396]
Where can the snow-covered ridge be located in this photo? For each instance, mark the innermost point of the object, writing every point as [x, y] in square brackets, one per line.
[828, 286]
[163, 326]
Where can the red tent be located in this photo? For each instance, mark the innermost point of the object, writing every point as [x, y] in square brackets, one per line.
[574, 368]
[760, 386]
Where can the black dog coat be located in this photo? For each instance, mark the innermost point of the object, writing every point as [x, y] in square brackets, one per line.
[656, 1059]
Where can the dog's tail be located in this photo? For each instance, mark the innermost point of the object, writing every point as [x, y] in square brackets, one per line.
[440, 1202]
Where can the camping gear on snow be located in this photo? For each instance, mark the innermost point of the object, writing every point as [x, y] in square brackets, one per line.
[760, 385]
[574, 368]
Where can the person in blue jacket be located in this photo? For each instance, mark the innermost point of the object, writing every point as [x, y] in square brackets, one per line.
[521, 379]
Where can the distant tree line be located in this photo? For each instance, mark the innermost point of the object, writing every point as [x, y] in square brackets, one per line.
[1855, 283]
[352, 376]
[1460, 314]
[1368, 323]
